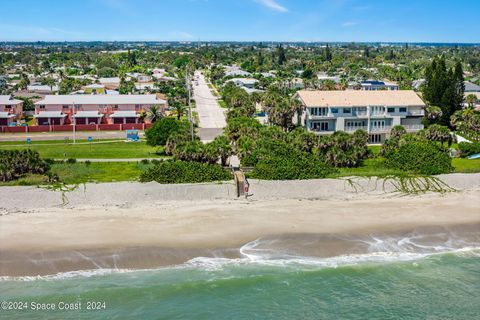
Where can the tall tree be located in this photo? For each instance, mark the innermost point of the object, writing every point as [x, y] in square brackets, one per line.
[444, 88]
[328, 53]
[281, 59]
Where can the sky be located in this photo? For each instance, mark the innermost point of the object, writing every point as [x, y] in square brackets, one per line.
[241, 20]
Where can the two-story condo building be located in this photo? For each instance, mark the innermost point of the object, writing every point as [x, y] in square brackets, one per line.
[11, 110]
[94, 109]
[373, 111]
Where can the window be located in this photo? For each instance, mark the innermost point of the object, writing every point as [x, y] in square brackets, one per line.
[378, 110]
[354, 124]
[138, 106]
[318, 111]
[8, 107]
[78, 106]
[320, 126]
[390, 109]
[334, 110]
[403, 109]
[41, 106]
[65, 107]
[347, 110]
[375, 138]
[115, 107]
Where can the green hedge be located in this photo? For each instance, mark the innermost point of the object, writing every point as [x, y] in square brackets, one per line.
[420, 157]
[291, 167]
[467, 148]
[174, 171]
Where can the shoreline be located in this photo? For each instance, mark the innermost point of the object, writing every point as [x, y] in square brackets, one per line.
[170, 225]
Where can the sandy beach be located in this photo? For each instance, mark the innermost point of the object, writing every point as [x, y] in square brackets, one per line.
[133, 225]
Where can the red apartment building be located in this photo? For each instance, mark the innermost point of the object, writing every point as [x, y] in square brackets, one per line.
[94, 109]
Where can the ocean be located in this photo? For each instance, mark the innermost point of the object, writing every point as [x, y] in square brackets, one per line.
[395, 278]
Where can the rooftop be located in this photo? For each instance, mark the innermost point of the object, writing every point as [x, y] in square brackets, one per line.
[101, 99]
[6, 99]
[471, 87]
[352, 98]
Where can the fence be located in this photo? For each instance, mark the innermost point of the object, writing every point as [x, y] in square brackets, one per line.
[80, 127]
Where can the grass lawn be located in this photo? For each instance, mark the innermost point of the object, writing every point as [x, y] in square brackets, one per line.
[98, 171]
[370, 168]
[375, 167]
[463, 165]
[99, 149]
[80, 172]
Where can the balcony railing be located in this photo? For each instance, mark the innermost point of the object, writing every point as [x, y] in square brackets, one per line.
[416, 113]
[413, 126]
[351, 129]
[381, 129]
[372, 129]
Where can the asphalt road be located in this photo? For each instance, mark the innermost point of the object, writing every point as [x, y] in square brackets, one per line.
[210, 114]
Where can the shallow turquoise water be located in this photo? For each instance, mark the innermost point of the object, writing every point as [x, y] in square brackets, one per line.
[443, 286]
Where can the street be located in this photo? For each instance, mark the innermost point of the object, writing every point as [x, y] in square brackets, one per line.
[210, 114]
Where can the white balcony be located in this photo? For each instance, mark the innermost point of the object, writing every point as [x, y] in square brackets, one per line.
[416, 113]
[372, 129]
[355, 128]
[381, 129]
[413, 127]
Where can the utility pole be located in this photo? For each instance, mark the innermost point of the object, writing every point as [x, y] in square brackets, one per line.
[74, 124]
[187, 79]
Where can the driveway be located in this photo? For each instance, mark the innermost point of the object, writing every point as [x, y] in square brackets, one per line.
[210, 114]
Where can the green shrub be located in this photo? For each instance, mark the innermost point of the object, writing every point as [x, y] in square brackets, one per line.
[467, 148]
[420, 157]
[196, 151]
[174, 171]
[71, 160]
[16, 163]
[297, 165]
[162, 129]
[344, 150]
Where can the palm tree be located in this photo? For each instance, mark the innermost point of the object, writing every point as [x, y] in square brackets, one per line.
[49, 81]
[178, 109]
[222, 147]
[439, 133]
[471, 100]
[434, 112]
[142, 116]
[154, 114]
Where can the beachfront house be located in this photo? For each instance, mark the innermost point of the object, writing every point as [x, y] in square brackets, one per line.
[94, 109]
[11, 110]
[373, 111]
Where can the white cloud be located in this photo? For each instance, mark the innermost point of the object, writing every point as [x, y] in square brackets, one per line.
[349, 24]
[273, 5]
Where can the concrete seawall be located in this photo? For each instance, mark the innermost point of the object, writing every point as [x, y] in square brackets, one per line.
[128, 194]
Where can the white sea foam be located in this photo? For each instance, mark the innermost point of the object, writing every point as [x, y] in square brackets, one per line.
[262, 252]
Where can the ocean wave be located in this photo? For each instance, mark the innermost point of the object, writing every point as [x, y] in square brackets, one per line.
[268, 252]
